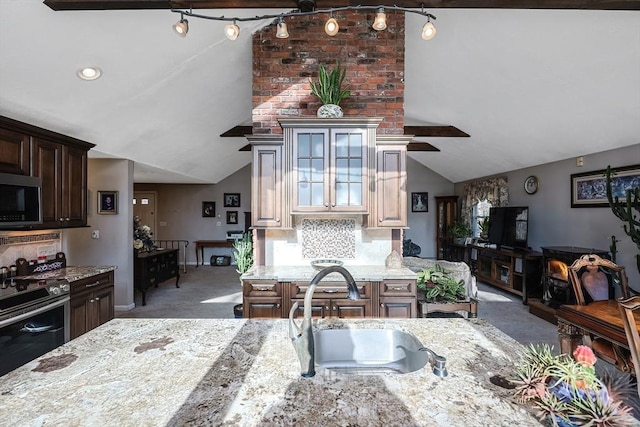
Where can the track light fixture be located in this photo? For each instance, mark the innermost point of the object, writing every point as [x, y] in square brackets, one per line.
[380, 23]
[232, 31]
[307, 8]
[282, 32]
[182, 26]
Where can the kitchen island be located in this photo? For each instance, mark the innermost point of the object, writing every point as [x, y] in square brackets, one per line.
[244, 372]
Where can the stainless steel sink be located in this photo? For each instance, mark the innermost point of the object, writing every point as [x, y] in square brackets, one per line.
[364, 351]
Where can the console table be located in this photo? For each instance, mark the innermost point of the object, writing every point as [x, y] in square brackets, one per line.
[153, 268]
[201, 244]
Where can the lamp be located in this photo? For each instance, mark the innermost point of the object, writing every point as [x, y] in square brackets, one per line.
[232, 31]
[380, 23]
[282, 32]
[181, 27]
[306, 8]
[428, 31]
[331, 27]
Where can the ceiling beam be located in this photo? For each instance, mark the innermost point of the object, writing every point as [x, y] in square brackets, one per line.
[421, 146]
[435, 131]
[237, 131]
[320, 4]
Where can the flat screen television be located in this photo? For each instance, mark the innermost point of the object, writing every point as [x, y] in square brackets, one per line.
[509, 226]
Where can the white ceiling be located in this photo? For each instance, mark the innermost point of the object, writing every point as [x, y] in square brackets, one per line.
[529, 86]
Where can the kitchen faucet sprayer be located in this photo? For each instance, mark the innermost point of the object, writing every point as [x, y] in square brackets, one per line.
[302, 336]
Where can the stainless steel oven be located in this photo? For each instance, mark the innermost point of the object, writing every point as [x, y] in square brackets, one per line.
[34, 319]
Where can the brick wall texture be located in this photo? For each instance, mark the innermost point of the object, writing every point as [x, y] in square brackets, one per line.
[374, 61]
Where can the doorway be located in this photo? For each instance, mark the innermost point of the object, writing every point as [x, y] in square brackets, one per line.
[144, 207]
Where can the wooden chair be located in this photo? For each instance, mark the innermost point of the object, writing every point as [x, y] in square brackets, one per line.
[627, 308]
[589, 279]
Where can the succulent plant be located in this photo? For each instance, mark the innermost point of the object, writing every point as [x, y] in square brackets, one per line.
[329, 85]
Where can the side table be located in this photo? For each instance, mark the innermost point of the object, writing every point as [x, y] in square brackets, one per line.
[471, 307]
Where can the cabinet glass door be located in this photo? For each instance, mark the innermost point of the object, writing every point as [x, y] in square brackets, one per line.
[311, 157]
[348, 169]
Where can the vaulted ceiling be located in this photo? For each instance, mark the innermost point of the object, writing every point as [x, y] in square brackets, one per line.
[528, 86]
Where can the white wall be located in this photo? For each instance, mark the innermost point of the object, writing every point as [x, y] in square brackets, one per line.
[115, 245]
[552, 221]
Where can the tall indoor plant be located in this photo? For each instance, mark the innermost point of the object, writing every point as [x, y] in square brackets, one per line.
[243, 253]
[330, 91]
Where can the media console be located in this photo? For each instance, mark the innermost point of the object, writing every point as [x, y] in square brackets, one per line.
[514, 271]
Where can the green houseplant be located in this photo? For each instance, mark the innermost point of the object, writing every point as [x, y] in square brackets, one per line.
[439, 286]
[328, 88]
[243, 253]
[459, 232]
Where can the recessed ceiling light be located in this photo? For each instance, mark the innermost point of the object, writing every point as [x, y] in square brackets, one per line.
[89, 73]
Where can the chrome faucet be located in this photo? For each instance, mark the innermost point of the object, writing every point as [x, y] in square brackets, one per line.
[302, 336]
[438, 363]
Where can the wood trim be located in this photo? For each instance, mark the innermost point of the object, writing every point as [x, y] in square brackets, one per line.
[38, 132]
[291, 4]
[435, 131]
[421, 146]
[237, 131]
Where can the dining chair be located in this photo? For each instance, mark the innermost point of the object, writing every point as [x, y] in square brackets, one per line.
[590, 276]
[627, 308]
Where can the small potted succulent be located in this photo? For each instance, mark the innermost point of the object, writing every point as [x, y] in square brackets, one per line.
[330, 91]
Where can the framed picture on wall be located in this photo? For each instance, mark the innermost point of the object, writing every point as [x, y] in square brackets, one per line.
[208, 209]
[419, 202]
[232, 217]
[231, 200]
[589, 189]
[107, 202]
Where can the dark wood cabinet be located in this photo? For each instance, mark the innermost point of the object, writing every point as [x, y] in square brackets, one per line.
[153, 268]
[446, 216]
[92, 303]
[398, 299]
[330, 300]
[59, 160]
[14, 152]
[262, 299]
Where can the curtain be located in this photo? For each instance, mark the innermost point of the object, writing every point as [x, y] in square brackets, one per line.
[495, 190]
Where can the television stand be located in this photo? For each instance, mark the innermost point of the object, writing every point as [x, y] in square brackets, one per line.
[515, 271]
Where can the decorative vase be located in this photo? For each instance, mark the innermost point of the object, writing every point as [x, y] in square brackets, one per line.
[330, 111]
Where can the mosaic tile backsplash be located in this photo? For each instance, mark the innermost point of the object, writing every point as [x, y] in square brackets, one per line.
[328, 238]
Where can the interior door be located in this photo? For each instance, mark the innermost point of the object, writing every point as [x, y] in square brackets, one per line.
[144, 207]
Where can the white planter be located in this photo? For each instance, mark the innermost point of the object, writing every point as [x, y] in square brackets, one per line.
[330, 111]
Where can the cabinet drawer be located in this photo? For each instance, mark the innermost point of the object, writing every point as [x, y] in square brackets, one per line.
[262, 288]
[92, 283]
[334, 290]
[399, 288]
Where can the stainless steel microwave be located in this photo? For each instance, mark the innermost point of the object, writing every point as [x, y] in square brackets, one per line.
[20, 200]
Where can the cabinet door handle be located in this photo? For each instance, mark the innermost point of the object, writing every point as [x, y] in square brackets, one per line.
[277, 219]
[326, 205]
[60, 219]
[91, 301]
[92, 284]
[67, 219]
[97, 298]
[382, 305]
[329, 291]
[397, 288]
[277, 305]
[335, 308]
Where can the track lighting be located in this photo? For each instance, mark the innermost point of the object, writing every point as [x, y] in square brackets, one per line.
[182, 26]
[282, 32]
[331, 27]
[428, 31]
[232, 31]
[306, 8]
[380, 23]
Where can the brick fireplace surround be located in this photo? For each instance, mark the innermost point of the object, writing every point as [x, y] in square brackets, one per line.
[374, 61]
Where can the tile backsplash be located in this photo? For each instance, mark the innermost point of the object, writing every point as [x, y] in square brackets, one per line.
[28, 245]
[328, 238]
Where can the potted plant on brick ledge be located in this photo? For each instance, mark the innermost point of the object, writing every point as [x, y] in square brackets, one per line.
[329, 89]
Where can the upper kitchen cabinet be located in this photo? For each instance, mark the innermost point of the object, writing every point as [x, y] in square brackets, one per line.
[14, 152]
[266, 181]
[330, 163]
[59, 160]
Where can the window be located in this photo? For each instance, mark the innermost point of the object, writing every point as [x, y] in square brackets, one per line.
[480, 216]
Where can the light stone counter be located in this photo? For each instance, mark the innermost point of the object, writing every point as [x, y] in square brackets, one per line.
[238, 372]
[72, 273]
[365, 273]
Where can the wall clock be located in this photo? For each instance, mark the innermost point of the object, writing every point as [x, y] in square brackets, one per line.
[531, 184]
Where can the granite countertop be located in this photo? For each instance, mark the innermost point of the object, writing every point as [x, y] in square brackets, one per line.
[244, 372]
[366, 273]
[72, 273]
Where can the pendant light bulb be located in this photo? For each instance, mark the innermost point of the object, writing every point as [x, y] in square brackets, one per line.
[428, 31]
[282, 32]
[232, 31]
[380, 23]
[181, 27]
[331, 27]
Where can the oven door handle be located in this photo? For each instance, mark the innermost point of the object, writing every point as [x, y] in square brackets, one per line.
[32, 313]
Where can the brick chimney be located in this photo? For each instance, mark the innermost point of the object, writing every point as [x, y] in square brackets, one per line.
[374, 61]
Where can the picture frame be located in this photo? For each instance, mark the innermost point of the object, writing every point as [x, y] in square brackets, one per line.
[232, 217]
[108, 202]
[419, 202]
[208, 209]
[231, 200]
[589, 189]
